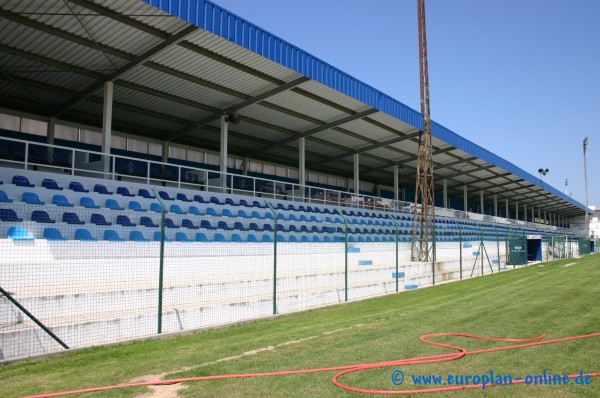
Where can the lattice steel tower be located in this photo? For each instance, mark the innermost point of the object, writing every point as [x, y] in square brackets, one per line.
[424, 208]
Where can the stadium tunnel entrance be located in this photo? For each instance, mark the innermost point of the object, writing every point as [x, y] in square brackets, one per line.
[534, 248]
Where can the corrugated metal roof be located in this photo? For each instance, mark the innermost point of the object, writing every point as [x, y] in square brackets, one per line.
[225, 63]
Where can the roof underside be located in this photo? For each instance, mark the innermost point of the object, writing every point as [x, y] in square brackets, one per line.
[173, 79]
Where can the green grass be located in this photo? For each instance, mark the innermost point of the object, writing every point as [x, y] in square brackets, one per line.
[560, 301]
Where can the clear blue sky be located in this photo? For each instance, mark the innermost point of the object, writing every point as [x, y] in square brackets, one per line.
[517, 77]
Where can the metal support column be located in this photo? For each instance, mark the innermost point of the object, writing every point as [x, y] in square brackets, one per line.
[107, 126]
[223, 153]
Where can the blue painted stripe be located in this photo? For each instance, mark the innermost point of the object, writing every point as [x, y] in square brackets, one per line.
[467, 245]
[365, 262]
[399, 275]
[476, 253]
[494, 261]
[354, 250]
[411, 286]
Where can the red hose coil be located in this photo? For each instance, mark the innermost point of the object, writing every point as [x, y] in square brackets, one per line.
[343, 370]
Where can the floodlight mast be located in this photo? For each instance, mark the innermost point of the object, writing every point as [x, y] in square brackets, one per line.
[586, 142]
[424, 208]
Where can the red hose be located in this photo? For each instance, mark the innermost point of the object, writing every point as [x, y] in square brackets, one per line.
[530, 342]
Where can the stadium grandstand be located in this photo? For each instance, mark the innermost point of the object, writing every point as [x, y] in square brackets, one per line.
[167, 166]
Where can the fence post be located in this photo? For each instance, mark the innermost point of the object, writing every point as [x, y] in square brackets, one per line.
[433, 251]
[161, 259]
[276, 218]
[460, 249]
[345, 254]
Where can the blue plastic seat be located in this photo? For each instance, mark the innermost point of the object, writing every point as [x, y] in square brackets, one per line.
[157, 237]
[123, 191]
[188, 224]
[229, 201]
[194, 210]
[227, 213]
[165, 195]
[316, 238]
[145, 194]
[51, 184]
[101, 189]
[252, 238]
[199, 199]
[215, 200]
[183, 197]
[176, 209]
[137, 236]
[257, 215]
[200, 237]
[88, 203]
[113, 205]
[242, 214]
[136, 206]
[206, 225]
[19, 233]
[61, 200]
[170, 224]
[9, 215]
[236, 238]
[155, 207]
[219, 238]
[254, 227]
[212, 212]
[182, 237]
[22, 181]
[147, 222]
[99, 219]
[71, 218]
[267, 238]
[239, 226]
[4, 198]
[125, 221]
[41, 216]
[77, 187]
[112, 236]
[84, 235]
[53, 234]
[224, 226]
[244, 203]
[32, 198]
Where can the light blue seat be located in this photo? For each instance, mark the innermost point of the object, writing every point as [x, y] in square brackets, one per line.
[19, 233]
[136, 206]
[252, 238]
[155, 207]
[219, 238]
[236, 238]
[182, 237]
[61, 200]
[157, 237]
[32, 198]
[212, 212]
[176, 209]
[113, 205]
[112, 236]
[194, 210]
[53, 234]
[200, 237]
[137, 236]
[4, 198]
[84, 235]
[88, 203]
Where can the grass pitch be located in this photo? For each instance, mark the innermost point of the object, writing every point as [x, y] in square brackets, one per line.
[553, 298]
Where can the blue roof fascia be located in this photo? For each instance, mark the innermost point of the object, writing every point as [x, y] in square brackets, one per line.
[451, 138]
[221, 22]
